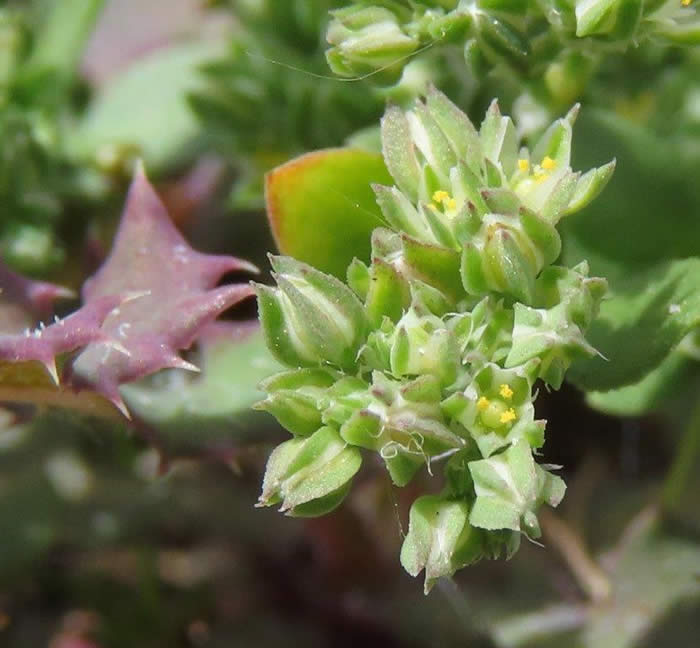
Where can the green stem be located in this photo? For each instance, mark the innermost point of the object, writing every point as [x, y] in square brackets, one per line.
[679, 497]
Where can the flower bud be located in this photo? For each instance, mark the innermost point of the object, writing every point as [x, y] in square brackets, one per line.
[366, 38]
[440, 539]
[310, 477]
[403, 423]
[484, 333]
[293, 398]
[555, 335]
[509, 488]
[311, 318]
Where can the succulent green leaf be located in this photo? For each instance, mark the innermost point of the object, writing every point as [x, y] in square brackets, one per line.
[643, 321]
[197, 411]
[322, 209]
[662, 387]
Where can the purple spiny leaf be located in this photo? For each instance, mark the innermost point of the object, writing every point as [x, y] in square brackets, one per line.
[23, 301]
[150, 256]
[44, 343]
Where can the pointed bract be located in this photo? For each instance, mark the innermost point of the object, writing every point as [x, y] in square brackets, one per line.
[179, 295]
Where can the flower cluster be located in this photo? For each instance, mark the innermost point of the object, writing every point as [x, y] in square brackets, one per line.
[432, 350]
[551, 39]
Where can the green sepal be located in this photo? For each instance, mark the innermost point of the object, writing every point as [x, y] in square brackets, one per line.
[509, 489]
[398, 150]
[400, 213]
[432, 143]
[357, 277]
[499, 139]
[589, 186]
[309, 477]
[501, 200]
[555, 142]
[543, 235]
[281, 329]
[457, 128]
[501, 39]
[619, 19]
[421, 345]
[434, 264]
[440, 539]
[346, 397]
[506, 267]
[466, 186]
[388, 295]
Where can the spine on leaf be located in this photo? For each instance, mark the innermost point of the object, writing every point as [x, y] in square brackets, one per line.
[435, 348]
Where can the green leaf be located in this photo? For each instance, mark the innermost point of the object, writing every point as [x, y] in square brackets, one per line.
[145, 108]
[659, 388]
[199, 410]
[654, 202]
[646, 317]
[322, 208]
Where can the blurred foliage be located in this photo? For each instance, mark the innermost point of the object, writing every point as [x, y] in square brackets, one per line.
[40, 94]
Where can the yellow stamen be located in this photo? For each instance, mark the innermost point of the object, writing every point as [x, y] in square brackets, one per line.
[506, 392]
[548, 163]
[685, 3]
[508, 416]
[483, 403]
[523, 165]
[450, 203]
[541, 177]
[440, 196]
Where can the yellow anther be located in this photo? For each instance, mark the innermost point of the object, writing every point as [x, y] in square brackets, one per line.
[508, 416]
[506, 392]
[440, 196]
[450, 203]
[523, 165]
[548, 163]
[685, 3]
[483, 403]
[541, 177]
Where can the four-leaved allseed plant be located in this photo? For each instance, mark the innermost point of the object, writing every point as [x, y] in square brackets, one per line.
[433, 350]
